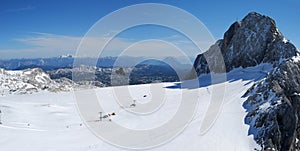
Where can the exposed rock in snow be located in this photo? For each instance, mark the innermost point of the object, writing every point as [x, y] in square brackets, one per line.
[252, 41]
[31, 80]
[273, 108]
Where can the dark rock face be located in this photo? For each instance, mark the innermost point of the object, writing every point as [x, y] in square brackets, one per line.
[273, 107]
[252, 41]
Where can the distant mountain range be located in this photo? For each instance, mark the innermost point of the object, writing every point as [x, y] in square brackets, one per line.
[139, 70]
[55, 63]
[148, 71]
[67, 61]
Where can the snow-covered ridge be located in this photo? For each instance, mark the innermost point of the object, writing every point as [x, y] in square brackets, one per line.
[29, 81]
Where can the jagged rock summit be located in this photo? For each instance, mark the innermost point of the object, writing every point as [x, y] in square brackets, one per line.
[252, 41]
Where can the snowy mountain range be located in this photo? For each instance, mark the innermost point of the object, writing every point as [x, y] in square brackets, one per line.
[31, 80]
[66, 61]
[146, 71]
[260, 109]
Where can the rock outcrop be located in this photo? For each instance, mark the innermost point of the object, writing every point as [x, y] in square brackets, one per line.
[273, 107]
[252, 41]
[273, 104]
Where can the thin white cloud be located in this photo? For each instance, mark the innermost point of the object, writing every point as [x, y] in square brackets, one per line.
[52, 41]
[49, 45]
[27, 8]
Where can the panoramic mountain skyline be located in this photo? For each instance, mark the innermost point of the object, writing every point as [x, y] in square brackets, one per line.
[244, 89]
[31, 29]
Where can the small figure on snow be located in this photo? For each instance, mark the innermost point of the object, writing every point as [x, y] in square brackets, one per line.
[106, 116]
[133, 104]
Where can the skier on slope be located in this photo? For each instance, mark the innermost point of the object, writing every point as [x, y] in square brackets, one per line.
[133, 104]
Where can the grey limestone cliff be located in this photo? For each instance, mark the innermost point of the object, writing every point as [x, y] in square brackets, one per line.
[252, 41]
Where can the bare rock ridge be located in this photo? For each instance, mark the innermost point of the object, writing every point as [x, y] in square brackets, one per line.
[252, 41]
[273, 107]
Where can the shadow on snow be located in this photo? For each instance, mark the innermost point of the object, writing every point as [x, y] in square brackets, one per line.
[251, 74]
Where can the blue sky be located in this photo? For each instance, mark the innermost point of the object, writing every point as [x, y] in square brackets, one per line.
[46, 28]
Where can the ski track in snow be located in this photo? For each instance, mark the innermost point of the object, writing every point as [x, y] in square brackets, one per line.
[50, 121]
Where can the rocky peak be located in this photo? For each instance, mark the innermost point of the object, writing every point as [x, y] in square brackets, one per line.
[229, 34]
[252, 41]
[260, 23]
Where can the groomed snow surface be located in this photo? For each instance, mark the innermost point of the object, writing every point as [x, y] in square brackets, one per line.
[47, 121]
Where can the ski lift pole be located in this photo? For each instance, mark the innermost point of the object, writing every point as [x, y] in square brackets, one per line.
[0, 117]
[100, 113]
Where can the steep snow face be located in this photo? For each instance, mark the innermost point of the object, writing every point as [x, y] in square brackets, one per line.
[273, 108]
[50, 121]
[252, 41]
[30, 80]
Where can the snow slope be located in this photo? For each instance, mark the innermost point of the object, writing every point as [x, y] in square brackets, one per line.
[50, 121]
